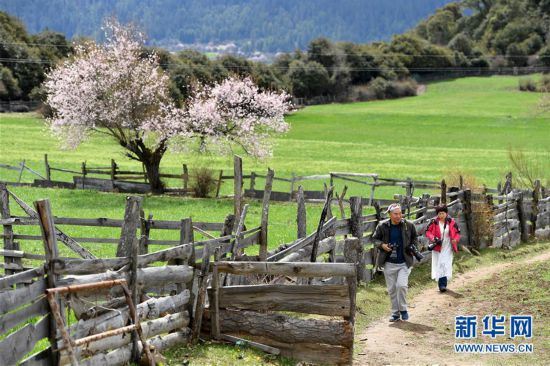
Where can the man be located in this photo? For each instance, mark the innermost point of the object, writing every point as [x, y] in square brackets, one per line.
[392, 237]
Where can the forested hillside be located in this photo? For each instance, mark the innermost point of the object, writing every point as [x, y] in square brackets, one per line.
[254, 25]
[473, 37]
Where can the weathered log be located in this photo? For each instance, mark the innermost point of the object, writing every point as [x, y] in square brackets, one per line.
[315, 299]
[122, 355]
[325, 245]
[87, 266]
[289, 269]
[149, 328]
[146, 277]
[149, 309]
[284, 328]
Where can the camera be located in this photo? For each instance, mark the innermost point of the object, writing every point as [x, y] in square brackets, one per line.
[412, 250]
[436, 242]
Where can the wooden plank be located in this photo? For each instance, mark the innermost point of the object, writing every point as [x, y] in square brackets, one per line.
[20, 277]
[15, 346]
[88, 266]
[10, 320]
[330, 300]
[10, 300]
[151, 276]
[289, 269]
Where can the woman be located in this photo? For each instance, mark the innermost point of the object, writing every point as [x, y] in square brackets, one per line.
[444, 234]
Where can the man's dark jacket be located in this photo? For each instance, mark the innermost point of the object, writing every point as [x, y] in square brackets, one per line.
[382, 235]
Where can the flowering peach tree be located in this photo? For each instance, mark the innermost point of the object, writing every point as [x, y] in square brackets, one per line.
[112, 89]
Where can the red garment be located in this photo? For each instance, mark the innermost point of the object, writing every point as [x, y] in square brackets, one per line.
[433, 232]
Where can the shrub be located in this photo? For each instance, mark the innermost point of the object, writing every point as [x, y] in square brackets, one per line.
[203, 182]
[527, 84]
[378, 87]
[544, 84]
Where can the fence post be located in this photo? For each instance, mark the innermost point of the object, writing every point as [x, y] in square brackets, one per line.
[185, 177]
[522, 219]
[356, 230]
[51, 251]
[265, 212]
[215, 307]
[186, 237]
[443, 199]
[219, 185]
[129, 226]
[133, 286]
[292, 185]
[47, 166]
[301, 218]
[472, 241]
[535, 207]
[113, 169]
[237, 185]
[252, 180]
[144, 231]
[352, 254]
[8, 229]
[316, 239]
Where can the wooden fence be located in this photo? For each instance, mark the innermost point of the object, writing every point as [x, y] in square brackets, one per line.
[135, 181]
[93, 339]
[253, 311]
[315, 274]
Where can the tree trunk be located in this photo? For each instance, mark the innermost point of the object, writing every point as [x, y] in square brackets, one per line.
[152, 167]
[150, 159]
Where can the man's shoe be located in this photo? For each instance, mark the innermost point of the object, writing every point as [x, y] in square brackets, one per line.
[394, 317]
[404, 315]
[443, 289]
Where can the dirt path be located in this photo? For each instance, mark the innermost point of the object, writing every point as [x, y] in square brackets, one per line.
[419, 341]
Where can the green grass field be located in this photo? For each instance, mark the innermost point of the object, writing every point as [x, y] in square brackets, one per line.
[464, 125]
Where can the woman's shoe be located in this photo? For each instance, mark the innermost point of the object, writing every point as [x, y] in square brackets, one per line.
[394, 317]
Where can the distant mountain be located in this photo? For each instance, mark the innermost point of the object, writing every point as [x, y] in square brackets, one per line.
[253, 25]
